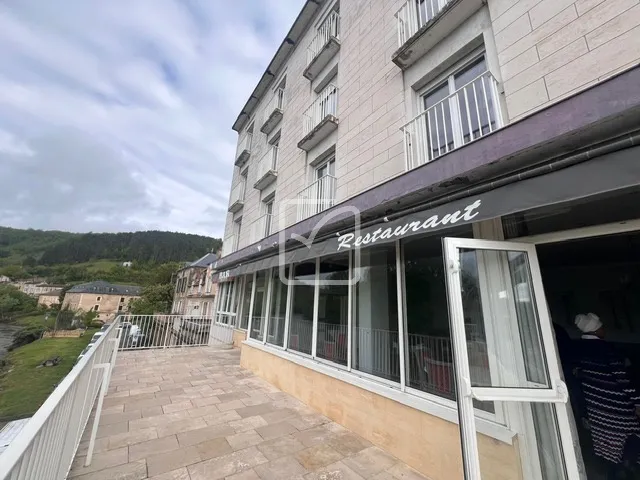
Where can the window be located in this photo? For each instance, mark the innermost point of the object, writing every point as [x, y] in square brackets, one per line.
[327, 168]
[375, 314]
[268, 219]
[460, 109]
[120, 308]
[259, 312]
[246, 302]
[237, 226]
[227, 298]
[121, 299]
[333, 306]
[98, 299]
[278, 308]
[96, 308]
[303, 293]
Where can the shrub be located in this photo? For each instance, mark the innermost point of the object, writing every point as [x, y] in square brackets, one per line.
[27, 335]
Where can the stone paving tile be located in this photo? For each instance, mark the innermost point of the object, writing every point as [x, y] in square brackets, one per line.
[207, 418]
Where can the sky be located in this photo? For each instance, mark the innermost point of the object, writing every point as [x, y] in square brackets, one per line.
[116, 115]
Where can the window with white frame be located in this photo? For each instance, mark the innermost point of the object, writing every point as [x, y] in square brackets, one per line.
[302, 307]
[277, 307]
[245, 304]
[460, 108]
[268, 217]
[259, 306]
[333, 308]
[227, 302]
[237, 227]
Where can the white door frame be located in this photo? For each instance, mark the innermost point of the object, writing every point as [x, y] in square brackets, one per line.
[555, 394]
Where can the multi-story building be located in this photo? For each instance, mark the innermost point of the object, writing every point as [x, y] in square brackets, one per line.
[107, 299]
[50, 299]
[35, 288]
[195, 291]
[426, 194]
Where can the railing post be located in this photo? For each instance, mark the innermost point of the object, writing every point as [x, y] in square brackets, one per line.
[94, 429]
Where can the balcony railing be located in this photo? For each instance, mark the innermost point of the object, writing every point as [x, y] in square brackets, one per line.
[267, 168]
[414, 14]
[468, 114]
[236, 202]
[273, 112]
[329, 29]
[244, 148]
[262, 227]
[326, 104]
[317, 197]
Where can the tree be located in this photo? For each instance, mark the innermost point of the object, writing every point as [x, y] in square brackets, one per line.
[154, 299]
[29, 261]
[89, 317]
[13, 271]
[13, 301]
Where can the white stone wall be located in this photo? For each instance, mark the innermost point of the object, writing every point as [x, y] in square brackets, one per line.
[550, 49]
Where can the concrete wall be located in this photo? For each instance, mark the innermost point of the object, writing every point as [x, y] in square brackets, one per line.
[550, 49]
[48, 300]
[427, 443]
[239, 336]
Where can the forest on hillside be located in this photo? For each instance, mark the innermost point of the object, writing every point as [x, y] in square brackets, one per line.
[37, 247]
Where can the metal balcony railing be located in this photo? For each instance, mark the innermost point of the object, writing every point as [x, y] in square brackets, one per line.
[262, 227]
[468, 114]
[273, 112]
[329, 28]
[326, 104]
[236, 200]
[317, 197]
[414, 14]
[244, 148]
[267, 167]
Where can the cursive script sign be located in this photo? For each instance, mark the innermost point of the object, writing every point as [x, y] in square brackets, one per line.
[349, 240]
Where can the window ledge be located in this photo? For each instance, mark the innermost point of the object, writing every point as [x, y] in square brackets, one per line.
[441, 408]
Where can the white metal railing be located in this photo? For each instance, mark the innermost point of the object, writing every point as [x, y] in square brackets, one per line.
[244, 143]
[325, 104]
[237, 193]
[317, 197]
[377, 352]
[46, 446]
[329, 28]
[276, 103]
[301, 335]
[468, 114]
[141, 332]
[332, 342]
[268, 162]
[222, 333]
[262, 227]
[414, 14]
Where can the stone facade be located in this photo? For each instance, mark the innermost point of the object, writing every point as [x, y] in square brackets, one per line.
[49, 299]
[195, 292]
[108, 305]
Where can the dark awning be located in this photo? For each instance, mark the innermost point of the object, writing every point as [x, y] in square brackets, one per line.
[616, 171]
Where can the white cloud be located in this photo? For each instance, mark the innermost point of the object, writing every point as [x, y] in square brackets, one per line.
[117, 115]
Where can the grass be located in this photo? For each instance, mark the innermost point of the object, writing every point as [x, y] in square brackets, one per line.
[23, 387]
[36, 320]
[99, 265]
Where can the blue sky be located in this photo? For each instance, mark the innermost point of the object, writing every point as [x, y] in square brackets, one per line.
[116, 116]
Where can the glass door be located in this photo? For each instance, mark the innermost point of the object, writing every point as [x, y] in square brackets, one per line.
[505, 357]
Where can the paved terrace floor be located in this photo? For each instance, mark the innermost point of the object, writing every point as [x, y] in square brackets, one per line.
[195, 414]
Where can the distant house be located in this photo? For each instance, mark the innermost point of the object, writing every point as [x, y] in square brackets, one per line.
[36, 288]
[107, 299]
[49, 298]
[127, 264]
[195, 291]
[4, 279]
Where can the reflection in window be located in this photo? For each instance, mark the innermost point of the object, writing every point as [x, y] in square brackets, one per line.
[259, 307]
[246, 302]
[375, 314]
[429, 362]
[279, 288]
[333, 307]
[301, 327]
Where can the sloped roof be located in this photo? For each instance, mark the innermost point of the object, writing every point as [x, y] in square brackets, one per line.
[205, 261]
[100, 286]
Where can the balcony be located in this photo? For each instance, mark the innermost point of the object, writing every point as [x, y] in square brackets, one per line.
[317, 197]
[244, 149]
[320, 119]
[323, 47]
[236, 201]
[437, 17]
[273, 112]
[468, 114]
[262, 228]
[267, 168]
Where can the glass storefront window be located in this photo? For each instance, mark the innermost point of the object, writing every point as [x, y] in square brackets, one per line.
[333, 304]
[301, 322]
[259, 307]
[278, 309]
[376, 349]
[246, 302]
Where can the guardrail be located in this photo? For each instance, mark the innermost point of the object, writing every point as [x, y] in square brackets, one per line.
[414, 14]
[468, 114]
[329, 28]
[276, 103]
[46, 446]
[325, 104]
[317, 197]
[140, 332]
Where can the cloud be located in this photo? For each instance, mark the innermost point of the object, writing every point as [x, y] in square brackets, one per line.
[116, 116]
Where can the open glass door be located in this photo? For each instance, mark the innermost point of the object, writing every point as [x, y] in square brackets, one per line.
[506, 361]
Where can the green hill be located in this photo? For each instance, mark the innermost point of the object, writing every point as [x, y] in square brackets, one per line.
[38, 247]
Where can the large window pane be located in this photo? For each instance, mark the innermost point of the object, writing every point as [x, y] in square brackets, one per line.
[429, 362]
[227, 305]
[333, 304]
[301, 327]
[275, 334]
[246, 302]
[259, 306]
[375, 320]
